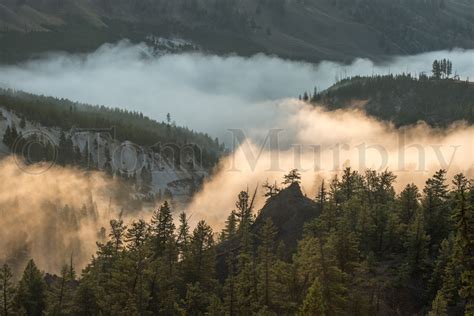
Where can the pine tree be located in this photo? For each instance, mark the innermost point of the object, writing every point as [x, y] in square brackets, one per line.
[437, 213]
[246, 281]
[345, 244]
[230, 289]
[196, 300]
[163, 287]
[244, 210]
[202, 256]
[266, 260]
[316, 259]
[31, 294]
[117, 233]
[230, 229]
[183, 238]
[409, 203]
[292, 177]
[6, 291]
[445, 255]
[136, 239]
[436, 70]
[313, 303]
[162, 227]
[417, 244]
[61, 298]
[464, 223]
[439, 306]
[85, 300]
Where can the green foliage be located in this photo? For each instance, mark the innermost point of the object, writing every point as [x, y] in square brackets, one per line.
[314, 301]
[31, 293]
[403, 99]
[7, 291]
[439, 306]
[367, 252]
[128, 125]
[292, 177]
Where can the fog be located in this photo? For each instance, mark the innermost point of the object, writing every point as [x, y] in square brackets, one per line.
[214, 94]
[54, 214]
[326, 142]
[204, 92]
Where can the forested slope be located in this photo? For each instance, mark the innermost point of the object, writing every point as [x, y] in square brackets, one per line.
[368, 251]
[298, 29]
[403, 99]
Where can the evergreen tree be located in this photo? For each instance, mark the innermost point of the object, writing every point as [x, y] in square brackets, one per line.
[244, 210]
[409, 203]
[162, 227]
[437, 213]
[163, 285]
[464, 223]
[436, 70]
[61, 293]
[31, 294]
[85, 300]
[417, 244]
[202, 257]
[183, 238]
[316, 259]
[345, 244]
[313, 303]
[439, 306]
[6, 291]
[117, 233]
[266, 260]
[292, 177]
[230, 229]
[136, 239]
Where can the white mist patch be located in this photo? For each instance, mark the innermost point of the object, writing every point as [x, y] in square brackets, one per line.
[324, 143]
[204, 92]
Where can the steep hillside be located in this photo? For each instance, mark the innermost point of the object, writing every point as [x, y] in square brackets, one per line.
[299, 29]
[160, 160]
[403, 99]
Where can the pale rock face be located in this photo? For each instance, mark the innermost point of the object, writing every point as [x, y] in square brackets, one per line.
[126, 157]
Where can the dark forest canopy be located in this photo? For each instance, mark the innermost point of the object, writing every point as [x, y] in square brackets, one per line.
[404, 99]
[367, 251]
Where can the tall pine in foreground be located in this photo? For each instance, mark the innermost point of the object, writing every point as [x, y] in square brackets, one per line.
[31, 294]
[464, 223]
[6, 291]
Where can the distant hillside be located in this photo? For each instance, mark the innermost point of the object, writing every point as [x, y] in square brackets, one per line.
[158, 160]
[128, 125]
[298, 29]
[403, 99]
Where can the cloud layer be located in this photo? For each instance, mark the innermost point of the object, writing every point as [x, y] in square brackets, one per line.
[204, 92]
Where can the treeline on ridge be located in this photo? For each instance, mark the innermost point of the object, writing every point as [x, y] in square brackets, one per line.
[128, 125]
